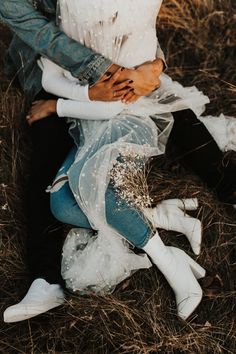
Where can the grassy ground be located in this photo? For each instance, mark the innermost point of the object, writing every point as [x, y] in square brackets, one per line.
[139, 317]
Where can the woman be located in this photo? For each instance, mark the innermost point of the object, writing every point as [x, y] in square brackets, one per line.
[82, 194]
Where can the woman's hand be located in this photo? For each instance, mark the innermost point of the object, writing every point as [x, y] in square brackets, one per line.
[130, 97]
[110, 87]
[41, 109]
[145, 77]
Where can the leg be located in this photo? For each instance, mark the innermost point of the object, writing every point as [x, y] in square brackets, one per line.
[122, 217]
[132, 226]
[126, 220]
[171, 261]
[180, 271]
[197, 150]
[50, 144]
[63, 204]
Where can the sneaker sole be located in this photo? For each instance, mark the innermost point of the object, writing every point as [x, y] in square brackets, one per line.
[23, 312]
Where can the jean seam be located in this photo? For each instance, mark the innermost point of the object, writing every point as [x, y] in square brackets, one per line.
[147, 238]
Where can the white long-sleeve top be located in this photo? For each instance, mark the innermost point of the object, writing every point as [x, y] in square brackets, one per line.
[77, 104]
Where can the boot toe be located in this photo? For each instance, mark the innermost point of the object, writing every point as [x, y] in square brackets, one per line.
[188, 305]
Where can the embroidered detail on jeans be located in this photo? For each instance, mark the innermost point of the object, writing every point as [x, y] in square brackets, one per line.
[57, 184]
[63, 178]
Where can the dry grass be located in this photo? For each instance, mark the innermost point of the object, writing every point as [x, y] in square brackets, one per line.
[140, 316]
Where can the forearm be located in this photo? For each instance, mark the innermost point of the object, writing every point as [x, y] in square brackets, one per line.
[92, 110]
[55, 82]
[46, 39]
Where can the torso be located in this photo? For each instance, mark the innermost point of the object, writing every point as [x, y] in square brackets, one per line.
[121, 30]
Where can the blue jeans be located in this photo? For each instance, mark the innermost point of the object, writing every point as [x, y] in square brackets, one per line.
[126, 220]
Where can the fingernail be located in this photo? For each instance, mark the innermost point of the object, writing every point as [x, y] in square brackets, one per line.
[108, 73]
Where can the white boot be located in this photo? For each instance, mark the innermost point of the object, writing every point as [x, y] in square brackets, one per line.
[40, 298]
[170, 215]
[180, 271]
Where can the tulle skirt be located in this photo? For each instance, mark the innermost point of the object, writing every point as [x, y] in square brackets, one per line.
[99, 262]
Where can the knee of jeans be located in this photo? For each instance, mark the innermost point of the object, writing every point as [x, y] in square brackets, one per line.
[130, 225]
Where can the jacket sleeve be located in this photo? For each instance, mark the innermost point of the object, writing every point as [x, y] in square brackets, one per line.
[45, 38]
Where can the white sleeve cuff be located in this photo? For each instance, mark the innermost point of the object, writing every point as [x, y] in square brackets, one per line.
[60, 107]
[82, 93]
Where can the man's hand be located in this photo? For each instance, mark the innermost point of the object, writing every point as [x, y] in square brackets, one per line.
[127, 85]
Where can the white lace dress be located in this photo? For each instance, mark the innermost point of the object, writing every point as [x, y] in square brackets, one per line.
[125, 32]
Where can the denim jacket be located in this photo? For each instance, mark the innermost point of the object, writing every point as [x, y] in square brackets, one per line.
[37, 33]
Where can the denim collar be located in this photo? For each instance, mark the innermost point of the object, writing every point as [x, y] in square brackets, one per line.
[45, 6]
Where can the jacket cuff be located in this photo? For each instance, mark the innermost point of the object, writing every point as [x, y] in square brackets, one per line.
[95, 69]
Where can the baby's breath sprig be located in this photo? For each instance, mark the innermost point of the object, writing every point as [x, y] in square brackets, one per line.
[129, 178]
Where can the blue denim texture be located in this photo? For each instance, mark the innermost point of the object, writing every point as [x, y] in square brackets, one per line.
[123, 218]
[37, 33]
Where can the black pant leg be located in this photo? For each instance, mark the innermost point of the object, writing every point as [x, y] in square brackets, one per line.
[50, 145]
[195, 148]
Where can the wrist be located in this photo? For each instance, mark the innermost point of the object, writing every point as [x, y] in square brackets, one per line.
[112, 69]
[91, 94]
[52, 106]
[158, 65]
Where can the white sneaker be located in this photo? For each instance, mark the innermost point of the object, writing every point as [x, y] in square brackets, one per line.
[40, 298]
